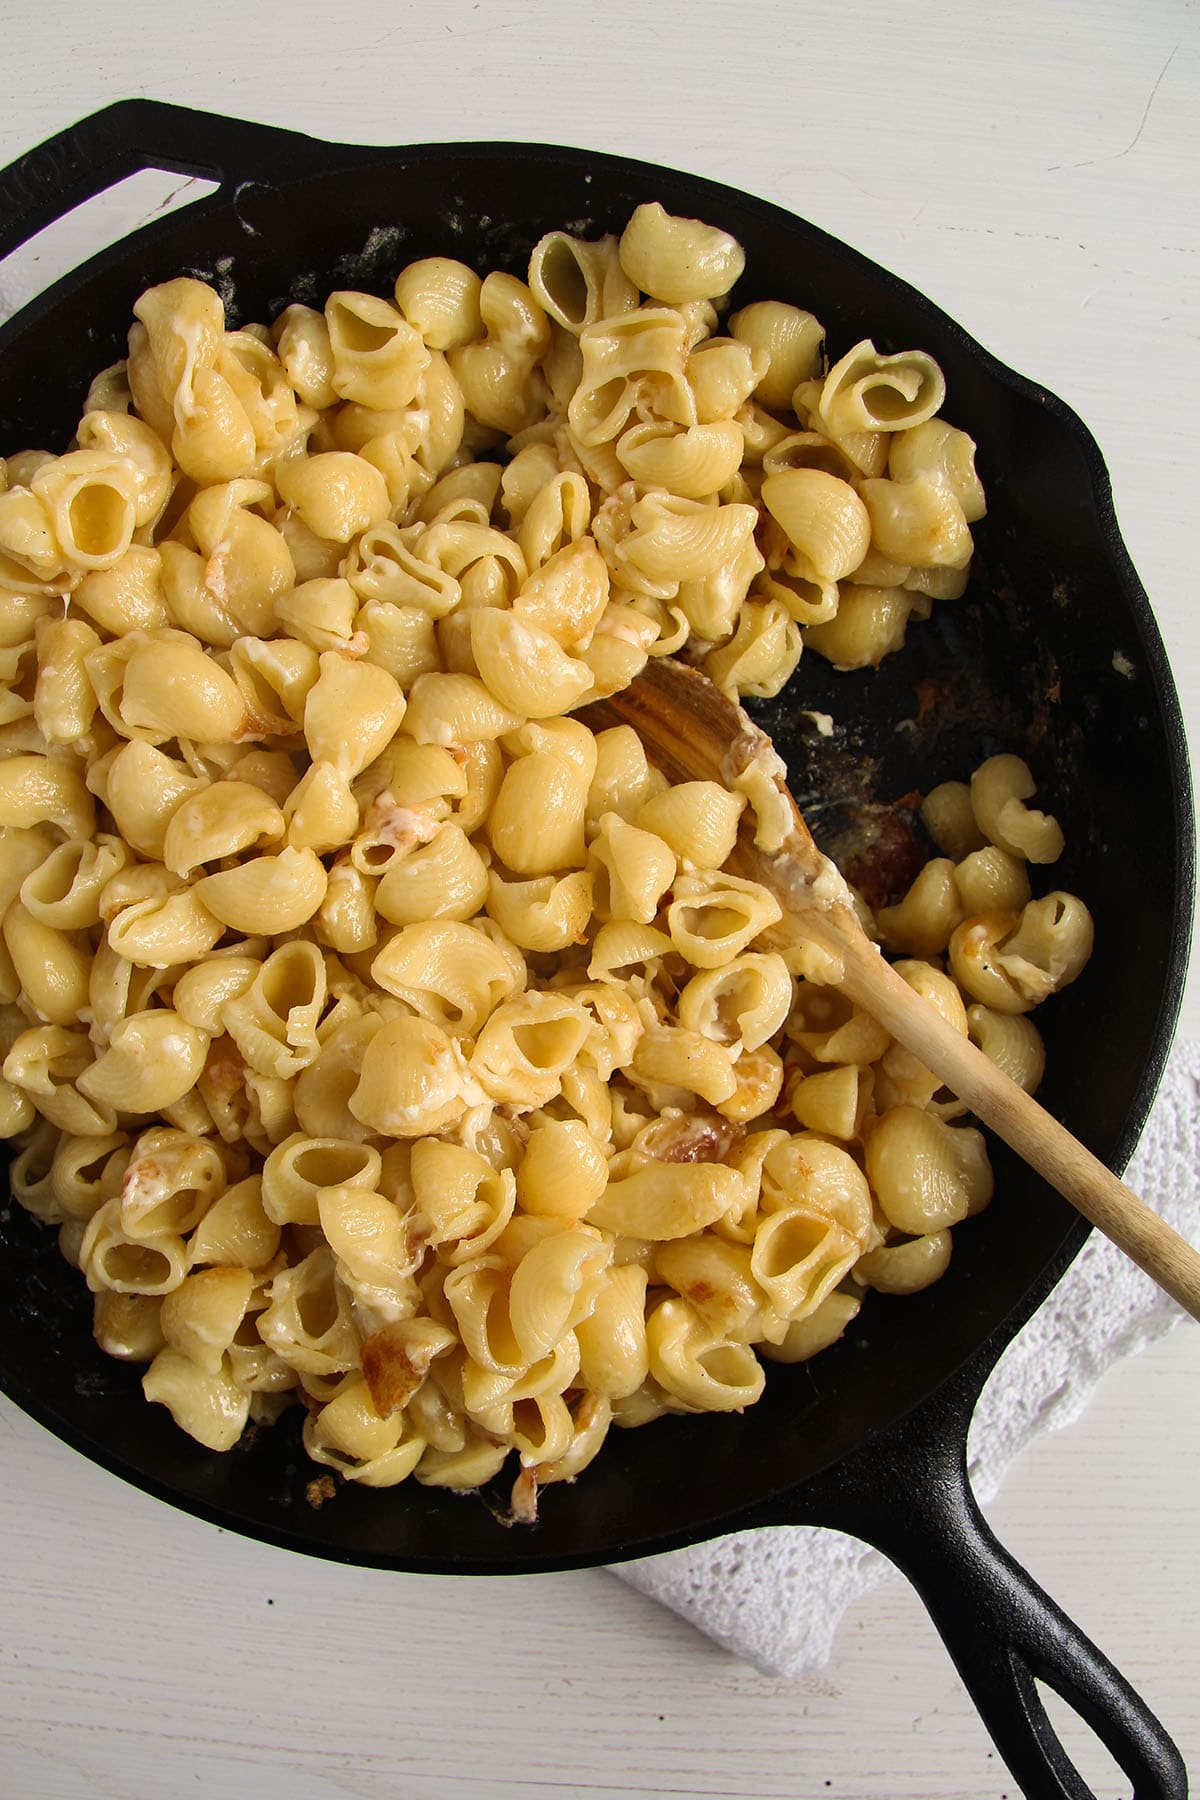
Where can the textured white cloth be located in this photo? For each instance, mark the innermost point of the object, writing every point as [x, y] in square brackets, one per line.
[776, 1597]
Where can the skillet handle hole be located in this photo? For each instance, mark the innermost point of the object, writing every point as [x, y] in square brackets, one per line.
[92, 226]
[1082, 1747]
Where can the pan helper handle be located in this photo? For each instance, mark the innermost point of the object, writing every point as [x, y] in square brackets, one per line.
[77, 164]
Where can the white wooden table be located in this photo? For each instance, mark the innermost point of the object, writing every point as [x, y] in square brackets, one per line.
[1034, 168]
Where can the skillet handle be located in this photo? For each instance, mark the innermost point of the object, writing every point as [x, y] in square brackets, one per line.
[88, 157]
[907, 1492]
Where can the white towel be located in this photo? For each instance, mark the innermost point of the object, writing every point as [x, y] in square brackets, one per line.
[776, 1597]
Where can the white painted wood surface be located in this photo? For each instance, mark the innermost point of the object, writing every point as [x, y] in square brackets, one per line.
[1034, 168]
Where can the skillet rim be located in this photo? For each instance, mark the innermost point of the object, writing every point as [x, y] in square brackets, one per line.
[331, 159]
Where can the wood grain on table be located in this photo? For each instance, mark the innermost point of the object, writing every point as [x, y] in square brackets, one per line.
[1034, 169]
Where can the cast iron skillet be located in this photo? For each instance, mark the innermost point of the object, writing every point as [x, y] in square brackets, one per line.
[871, 1436]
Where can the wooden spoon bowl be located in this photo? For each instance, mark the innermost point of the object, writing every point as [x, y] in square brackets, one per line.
[692, 732]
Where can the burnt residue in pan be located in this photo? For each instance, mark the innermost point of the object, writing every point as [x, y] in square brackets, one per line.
[863, 748]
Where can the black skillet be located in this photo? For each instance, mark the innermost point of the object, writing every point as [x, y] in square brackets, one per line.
[1054, 653]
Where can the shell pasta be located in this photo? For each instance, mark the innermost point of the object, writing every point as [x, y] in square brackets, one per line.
[381, 1040]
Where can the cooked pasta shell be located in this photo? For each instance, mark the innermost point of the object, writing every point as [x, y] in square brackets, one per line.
[302, 343]
[869, 625]
[142, 451]
[274, 675]
[943, 453]
[614, 1356]
[693, 462]
[919, 522]
[823, 517]
[667, 1200]
[808, 450]
[165, 930]
[798, 1257]
[367, 1234]
[1053, 942]
[793, 341]
[64, 701]
[1012, 1042]
[537, 819]
[440, 298]
[248, 565]
[152, 1060]
[805, 1171]
[320, 613]
[544, 913]
[30, 556]
[680, 540]
[127, 1325]
[64, 891]
[302, 1166]
[578, 282]
[210, 1408]
[715, 1278]
[448, 972]
[922, 922]
[722, 375]
[337, 494]
[830, 1101]
[926, 1175]
[200, 1317]
[527, 1045]
[37, 790]
[563, 1171]
[714, 917]
[625, 950]
[463, 1201]
[321, 1096]
[620, 357]
[236, 1231]
[308, 1322]
[269, 893]
[999, 789]
[456, 709]
[172, 689]
[169, 1183]
[274, 1020]
[385, 566]
[351, 713]
[676, 259]
[201, 992]
[761, 656]
[554, 1286]
[632, 870]
[52, 967]
[378, 357]
[742, 1004]
[524, 666]
[321, 812]
[412, 1081]
[674, 1057]
[445, 878]
[421, 776]
[868, 392]
[400, 639]
[92, 498]
[567, 593]
[698, 820]
[219, 821]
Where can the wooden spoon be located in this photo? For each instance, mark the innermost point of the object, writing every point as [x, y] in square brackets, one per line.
[692, 732]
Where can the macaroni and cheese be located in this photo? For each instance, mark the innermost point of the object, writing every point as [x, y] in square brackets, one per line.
[377, 1036]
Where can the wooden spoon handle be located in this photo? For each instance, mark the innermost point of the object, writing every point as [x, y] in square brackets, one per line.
[1047, 1146]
